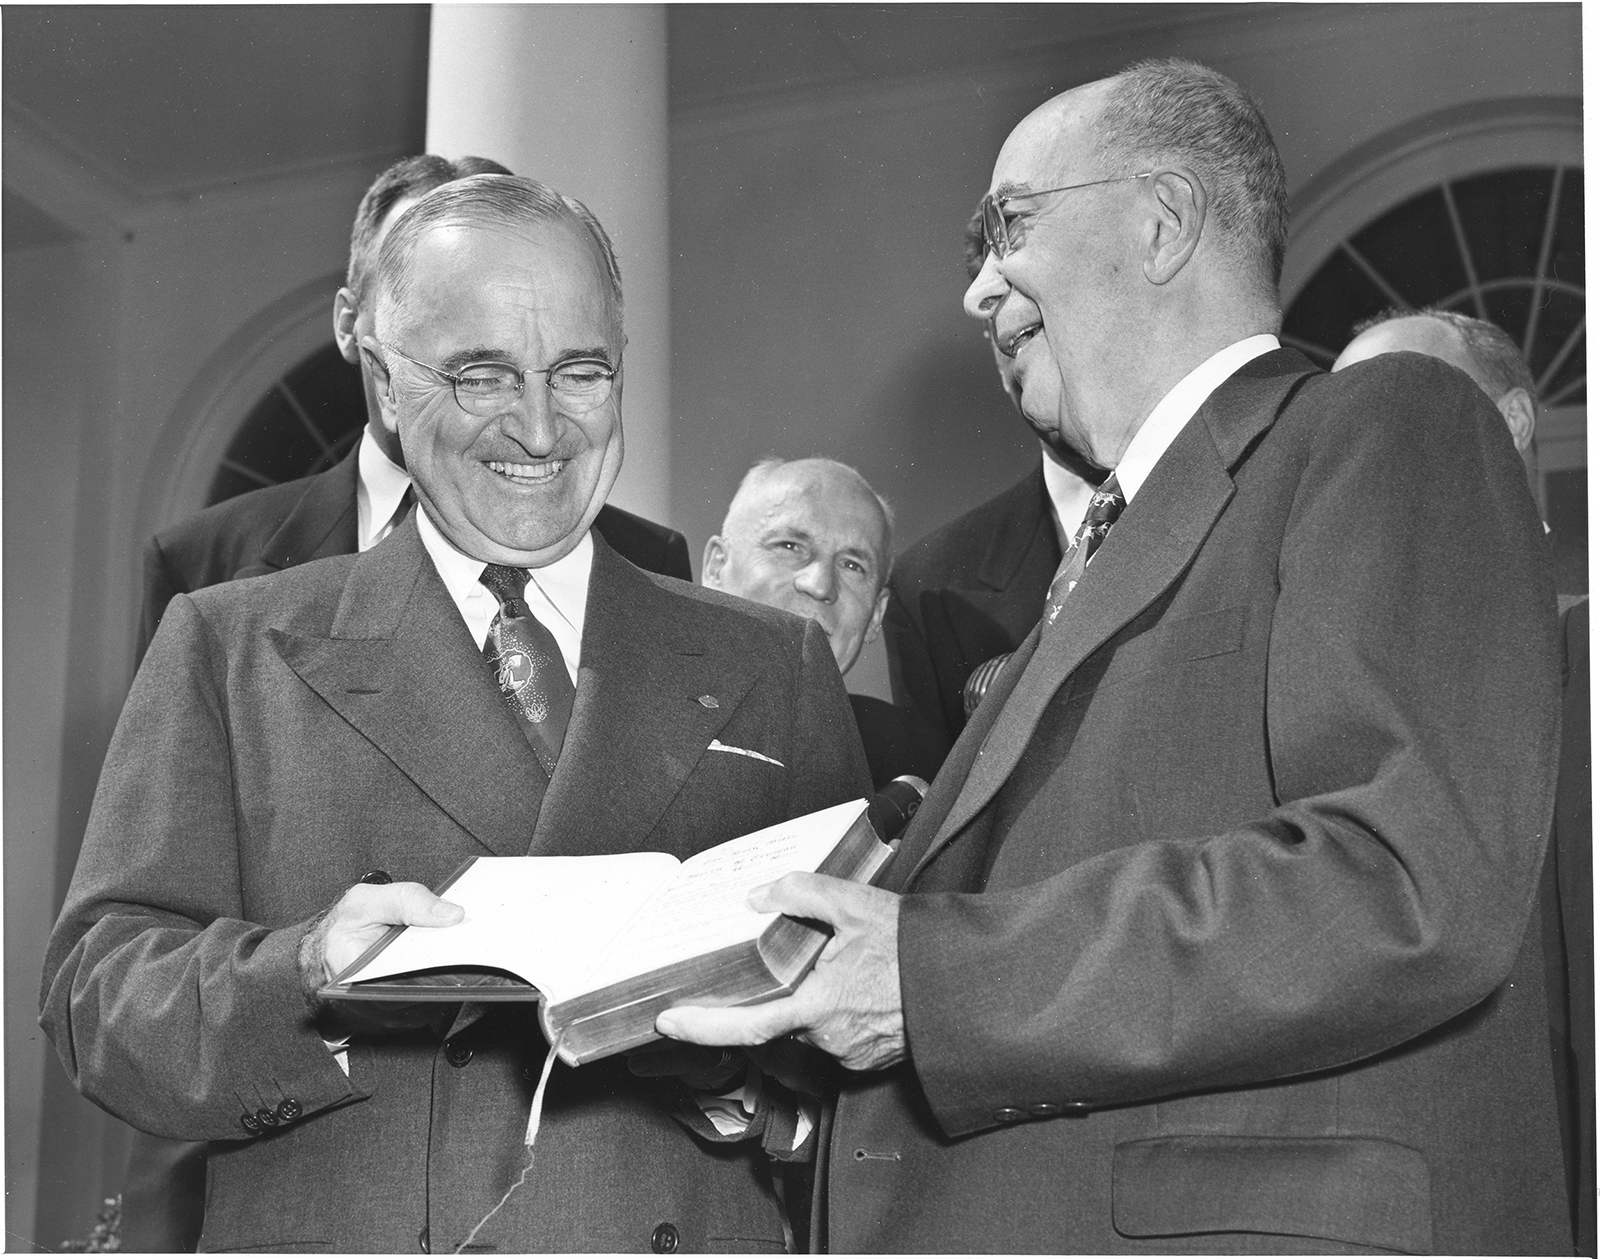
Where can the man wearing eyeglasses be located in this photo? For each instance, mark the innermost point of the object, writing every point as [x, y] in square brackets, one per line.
[354, 504]
[303, 755]
[1212, 935]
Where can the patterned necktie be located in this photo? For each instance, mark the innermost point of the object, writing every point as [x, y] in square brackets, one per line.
[1104, 508]
[528, 666]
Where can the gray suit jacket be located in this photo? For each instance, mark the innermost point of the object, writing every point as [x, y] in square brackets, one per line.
[290, 732]
[1218, 929]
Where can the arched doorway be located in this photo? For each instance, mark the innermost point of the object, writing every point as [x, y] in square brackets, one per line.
[1443, 214]
[307, 421]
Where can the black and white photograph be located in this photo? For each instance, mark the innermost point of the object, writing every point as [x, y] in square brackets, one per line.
[901, 628]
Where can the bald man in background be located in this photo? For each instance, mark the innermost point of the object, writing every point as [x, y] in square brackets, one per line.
[812, 537]
[1481, 349]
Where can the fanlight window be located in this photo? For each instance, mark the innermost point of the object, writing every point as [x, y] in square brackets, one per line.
[1506, 246]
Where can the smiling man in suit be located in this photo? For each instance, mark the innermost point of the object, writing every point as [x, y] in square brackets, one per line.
[1212, 934]
[352, 505]
[491, 678]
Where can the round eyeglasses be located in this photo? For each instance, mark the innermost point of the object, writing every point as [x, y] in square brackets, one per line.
[998, 229]
[489, 388]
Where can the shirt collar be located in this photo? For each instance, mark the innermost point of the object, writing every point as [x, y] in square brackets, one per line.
[385, 483]
[1069, 497]
[565, 583]
[1175, 410]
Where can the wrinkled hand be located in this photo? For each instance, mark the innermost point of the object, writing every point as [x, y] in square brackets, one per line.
[356, 922]
[849, 1006]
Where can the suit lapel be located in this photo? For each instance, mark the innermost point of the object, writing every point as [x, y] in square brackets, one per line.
[322, 523]
[638, 725]
[401, 667]
[1146, 551]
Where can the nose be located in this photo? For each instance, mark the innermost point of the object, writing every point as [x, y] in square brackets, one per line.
[988, 290]
[532, 420]
[818, 580]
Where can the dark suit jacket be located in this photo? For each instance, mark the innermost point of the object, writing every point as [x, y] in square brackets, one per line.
[280, 526]
[969, 591]
[287, 734]
[897, 742]
[1568, 906]
[1223, 942]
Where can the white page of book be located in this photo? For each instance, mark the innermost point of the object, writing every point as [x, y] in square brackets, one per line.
[544, 919]
[706, 906]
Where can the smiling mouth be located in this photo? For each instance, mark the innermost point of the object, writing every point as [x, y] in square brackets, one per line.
[527, 473]
[1013, 344]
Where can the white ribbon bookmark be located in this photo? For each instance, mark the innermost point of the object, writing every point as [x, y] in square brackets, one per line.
[535, 1113]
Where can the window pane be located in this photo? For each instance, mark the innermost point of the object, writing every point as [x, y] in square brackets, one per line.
[1503, 214]
[1414, 249]
[1337, 298]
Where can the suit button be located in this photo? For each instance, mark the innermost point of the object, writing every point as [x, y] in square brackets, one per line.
[289, 1110]
[268, 1118]
[1077, 1110]
[457, 1054]
[1007, 1114]
[422, 1239]
[252, 1125]
[664, 1241]
[1043, 1110]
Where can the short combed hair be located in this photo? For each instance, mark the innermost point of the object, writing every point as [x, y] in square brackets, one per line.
[500, 200]
[1180, 111]
[1497, 358]
[409, 177]
[772, 463]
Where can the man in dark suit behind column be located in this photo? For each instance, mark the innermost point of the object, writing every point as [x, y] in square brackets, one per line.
[1213, 933]
[351, 506]
[400, 711]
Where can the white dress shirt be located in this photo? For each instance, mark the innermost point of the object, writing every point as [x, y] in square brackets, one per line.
[1069, 500]
[1175, 410]
[380, 485]
[556, 594]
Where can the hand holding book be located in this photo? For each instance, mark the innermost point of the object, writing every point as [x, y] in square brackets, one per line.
[848, 1006]
[604, 944]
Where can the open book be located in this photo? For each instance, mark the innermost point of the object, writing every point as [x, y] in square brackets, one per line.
[604, 944]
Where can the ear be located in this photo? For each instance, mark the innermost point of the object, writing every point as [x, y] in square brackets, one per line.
[344, 326]
[875, 625]
[1179, 201]
[1517, 408]
[382, 384]
[712, 562]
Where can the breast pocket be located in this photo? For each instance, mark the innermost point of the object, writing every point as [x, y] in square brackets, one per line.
[1170, 642]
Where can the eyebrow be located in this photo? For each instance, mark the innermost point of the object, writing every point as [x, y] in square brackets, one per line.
[1011, 188]
[486, 354]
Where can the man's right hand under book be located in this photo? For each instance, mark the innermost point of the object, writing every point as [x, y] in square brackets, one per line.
[355, 922]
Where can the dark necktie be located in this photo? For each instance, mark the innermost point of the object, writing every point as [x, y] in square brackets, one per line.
[528, 666]
[1104, 508]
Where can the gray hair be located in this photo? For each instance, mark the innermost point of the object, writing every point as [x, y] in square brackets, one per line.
[409, 177]
[1175, 110]
[1498, 362]
[501, 200]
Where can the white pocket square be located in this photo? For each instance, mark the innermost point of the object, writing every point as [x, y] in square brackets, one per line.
[717, 745]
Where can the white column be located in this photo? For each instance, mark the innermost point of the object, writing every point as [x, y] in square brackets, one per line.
[576, 96]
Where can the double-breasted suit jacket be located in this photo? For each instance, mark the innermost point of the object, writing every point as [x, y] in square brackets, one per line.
[969, 591]
[281, 526]
[1217, 935]
[289, 733]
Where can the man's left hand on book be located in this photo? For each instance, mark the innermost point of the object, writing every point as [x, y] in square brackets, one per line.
[848, 1006]
[355, 922]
